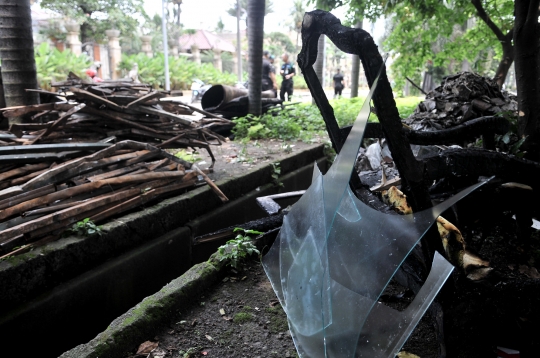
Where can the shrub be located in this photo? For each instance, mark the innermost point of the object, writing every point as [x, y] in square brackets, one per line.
[182, 71]
[54, 65]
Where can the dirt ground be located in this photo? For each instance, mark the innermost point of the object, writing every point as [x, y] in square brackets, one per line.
[234, 157]
[253, 324]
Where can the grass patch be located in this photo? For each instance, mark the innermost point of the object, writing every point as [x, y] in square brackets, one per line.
[304, 121]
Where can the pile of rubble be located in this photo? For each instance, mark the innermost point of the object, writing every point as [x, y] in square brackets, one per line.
[461, 98]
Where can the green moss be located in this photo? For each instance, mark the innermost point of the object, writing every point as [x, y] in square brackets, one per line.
[277, 318]
[242, 317]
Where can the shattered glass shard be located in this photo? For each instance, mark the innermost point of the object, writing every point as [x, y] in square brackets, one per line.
[334, 257]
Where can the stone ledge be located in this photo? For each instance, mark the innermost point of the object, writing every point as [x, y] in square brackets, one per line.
[28, 275]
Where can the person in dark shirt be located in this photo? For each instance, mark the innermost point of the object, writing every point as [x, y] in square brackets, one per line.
[268, 74]
[271, 58]
[287, 73]
[338, 84]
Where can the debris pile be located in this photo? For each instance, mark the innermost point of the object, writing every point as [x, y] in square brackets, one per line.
[90, 111]
[460, 98]
[44, 199]
[93, 152]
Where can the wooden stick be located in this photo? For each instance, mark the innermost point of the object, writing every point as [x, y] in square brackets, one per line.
[201, 111]
[145, 98]
[164, 114]
[23, 170]
[50, 220]
[140, 200]
[76, 190]
[117, 118]
[209, 181]
[29, 195]
[90, 96]
[415, 85]
[60, 121]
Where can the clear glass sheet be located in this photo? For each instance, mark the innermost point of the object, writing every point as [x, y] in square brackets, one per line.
[334, 257]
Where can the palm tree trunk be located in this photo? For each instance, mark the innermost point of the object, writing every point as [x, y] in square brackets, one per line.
[355, 68]
[17, 53]
[255, 10]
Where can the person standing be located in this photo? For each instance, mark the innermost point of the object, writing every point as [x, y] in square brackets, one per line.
[287, 73]
[338, 84]
[273, 73]
[268, 76]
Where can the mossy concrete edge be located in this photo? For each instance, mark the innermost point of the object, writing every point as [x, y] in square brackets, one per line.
[140, 322]
[137, 324]
[35, 272]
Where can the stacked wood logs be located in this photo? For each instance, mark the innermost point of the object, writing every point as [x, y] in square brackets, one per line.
[95, 151]
[45, 199]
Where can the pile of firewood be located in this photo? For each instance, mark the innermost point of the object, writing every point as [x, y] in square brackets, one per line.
[89, 112]
[44, 199]
[460, 98]
[94, 151]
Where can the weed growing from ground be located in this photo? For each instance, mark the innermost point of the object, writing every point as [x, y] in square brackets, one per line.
[276, 172]
[85, 227]
[239, 248]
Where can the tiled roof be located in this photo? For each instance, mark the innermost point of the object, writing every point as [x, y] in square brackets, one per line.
[205, 40]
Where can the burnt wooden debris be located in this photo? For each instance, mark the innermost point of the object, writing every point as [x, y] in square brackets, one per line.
[460, 99]
[97, 151]
[465, 107]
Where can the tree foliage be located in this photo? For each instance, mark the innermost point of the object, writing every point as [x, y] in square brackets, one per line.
[278, 43]
[439, 33]
[96, 16]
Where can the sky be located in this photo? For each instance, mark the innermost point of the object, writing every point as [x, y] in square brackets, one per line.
[205, 14]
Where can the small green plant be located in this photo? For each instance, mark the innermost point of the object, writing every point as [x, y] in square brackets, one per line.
[239, 248]
[85, 227]
[187, 156]
[304, 121]
[191, 352]
[276, 171]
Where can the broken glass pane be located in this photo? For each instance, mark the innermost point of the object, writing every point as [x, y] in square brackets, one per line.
[334, 257]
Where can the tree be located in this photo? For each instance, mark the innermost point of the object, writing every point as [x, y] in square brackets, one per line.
[355, 68]
[256, 14]
[278, 43]
[17, 53]
[177, 11]
[297, 16]
[96, 16]
[243, 9]
[526, 41]
[220, 26]
[445, 33]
